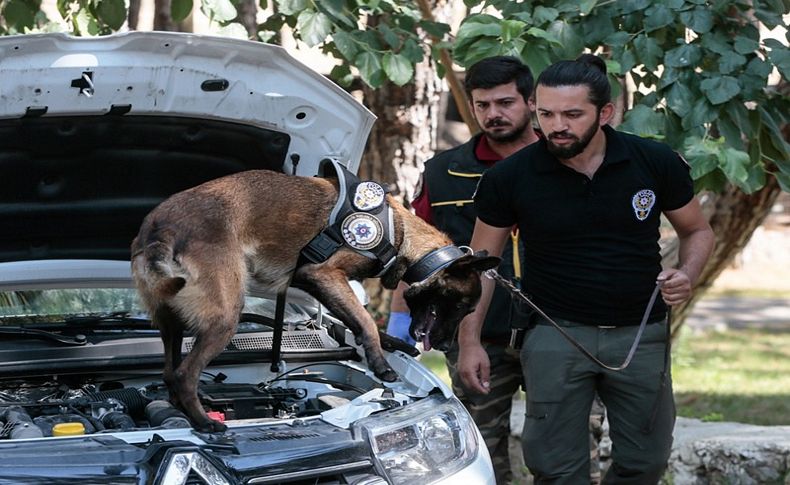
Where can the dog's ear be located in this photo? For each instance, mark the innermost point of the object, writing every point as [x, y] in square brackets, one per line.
[479, 261]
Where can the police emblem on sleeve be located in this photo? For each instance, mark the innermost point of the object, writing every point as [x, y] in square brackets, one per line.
[362, 231]
[368, 196]
[642, 202]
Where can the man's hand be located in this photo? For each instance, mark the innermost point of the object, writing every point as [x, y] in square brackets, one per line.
[474, 368]
[675, 286]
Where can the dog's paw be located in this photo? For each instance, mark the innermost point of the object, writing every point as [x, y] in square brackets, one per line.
[210, 426]
[387, 375]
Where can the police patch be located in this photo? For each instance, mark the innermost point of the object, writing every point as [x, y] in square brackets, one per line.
[368, 196]
[362, 231]
[642, 202]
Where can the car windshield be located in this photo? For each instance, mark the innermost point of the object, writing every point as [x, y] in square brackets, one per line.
[59, 305]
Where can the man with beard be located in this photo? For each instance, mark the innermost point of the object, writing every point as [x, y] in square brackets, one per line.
[499, 90]
[587, 200]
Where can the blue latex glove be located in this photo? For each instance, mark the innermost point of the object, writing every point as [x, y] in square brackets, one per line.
[398, 326]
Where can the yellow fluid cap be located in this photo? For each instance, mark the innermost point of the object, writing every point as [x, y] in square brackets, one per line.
[68, 429]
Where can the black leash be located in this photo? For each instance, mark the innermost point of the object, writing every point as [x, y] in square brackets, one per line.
[516, 292]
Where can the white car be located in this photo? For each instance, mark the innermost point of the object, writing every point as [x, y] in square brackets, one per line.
[95, 132]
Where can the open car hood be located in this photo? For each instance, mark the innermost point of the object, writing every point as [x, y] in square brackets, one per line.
[95, 132]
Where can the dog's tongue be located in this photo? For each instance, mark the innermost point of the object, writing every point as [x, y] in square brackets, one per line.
[426, 341]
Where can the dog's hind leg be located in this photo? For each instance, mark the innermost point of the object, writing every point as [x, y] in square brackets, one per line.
[206, 346]
[331, 288]
[171, 329]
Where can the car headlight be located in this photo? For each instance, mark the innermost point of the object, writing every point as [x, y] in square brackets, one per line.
[422, 442]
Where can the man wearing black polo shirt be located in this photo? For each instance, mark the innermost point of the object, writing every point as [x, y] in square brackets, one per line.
[587, 201]
[499, 89]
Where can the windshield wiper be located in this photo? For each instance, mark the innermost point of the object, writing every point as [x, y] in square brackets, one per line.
[123, 319]
[78, 339]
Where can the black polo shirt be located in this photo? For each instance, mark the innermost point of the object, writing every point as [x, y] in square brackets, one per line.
[591, 245]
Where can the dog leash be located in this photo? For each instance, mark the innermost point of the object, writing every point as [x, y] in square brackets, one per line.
[517, 293]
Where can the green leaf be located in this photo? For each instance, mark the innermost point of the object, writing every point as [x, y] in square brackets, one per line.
[434, 29]
[474, 28]
[733, 163]
[587, 6]
[745, 45]
[485, 47]
[643, 121]
[740, 116]
[701, 156]
[542, 34]
[701, 113]
[680, 99]
[657, 17]
[731, 62]
[618, 39]
[341, 74]
[512, 29]
[683, 56]
[720, 89]
[180, 9]
[345, 44]
[571, 45]
[648, 51]
[335, 9]
[18, 15]
[768, 14]
[718, 43]
[219, 10]
[779, 55]
[291, 7]
[543, 15]
[398, 68]
[112, 13]
[731, 133]
[369, 66]
[314, 27]
[412, 51]
[700, 20]
[784, 180]
[536, 58]
[389, 36]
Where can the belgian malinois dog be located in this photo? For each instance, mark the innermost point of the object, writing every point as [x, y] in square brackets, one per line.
[197, 250]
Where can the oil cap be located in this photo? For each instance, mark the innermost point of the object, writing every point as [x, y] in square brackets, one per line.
[68, 429]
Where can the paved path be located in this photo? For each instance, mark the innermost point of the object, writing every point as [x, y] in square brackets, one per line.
[721, 312]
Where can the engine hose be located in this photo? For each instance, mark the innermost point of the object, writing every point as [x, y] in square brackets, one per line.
[134, 401]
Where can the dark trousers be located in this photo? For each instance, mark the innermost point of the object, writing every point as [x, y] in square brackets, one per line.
[561, 384]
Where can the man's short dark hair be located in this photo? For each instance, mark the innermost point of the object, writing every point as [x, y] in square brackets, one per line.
[587, 70]
[498, 70]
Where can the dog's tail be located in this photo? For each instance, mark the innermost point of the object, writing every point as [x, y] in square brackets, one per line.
[164, 275]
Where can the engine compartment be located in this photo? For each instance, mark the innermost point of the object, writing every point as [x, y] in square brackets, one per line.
[86, 405]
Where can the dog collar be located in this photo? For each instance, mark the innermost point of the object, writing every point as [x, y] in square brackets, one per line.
[433, 262]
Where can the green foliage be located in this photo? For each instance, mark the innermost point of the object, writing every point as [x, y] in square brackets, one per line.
[703, 89]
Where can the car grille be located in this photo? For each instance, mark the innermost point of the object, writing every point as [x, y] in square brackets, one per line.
[293, 340]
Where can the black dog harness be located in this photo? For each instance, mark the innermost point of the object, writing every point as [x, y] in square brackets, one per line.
[361, 219]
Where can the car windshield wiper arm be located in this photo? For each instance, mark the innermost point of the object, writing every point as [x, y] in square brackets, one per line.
[120, 318]
[78, 339]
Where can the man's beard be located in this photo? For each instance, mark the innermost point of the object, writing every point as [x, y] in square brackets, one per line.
[505, 136]
[569, 151]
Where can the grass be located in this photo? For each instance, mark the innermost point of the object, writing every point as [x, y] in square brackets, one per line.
[733, 375]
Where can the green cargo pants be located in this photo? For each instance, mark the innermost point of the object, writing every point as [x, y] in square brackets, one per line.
[561, 384]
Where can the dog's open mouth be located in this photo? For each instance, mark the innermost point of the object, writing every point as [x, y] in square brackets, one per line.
[424, 334]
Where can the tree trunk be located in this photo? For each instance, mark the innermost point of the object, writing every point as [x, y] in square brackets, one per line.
[403, 137]
[734, 218]
[163, 20]
[248, 10]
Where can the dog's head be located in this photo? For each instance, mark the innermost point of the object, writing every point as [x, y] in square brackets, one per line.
[438, 304]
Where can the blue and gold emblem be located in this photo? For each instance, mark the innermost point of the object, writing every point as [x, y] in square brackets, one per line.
[362, 231]
[642, 202]
[368, 196]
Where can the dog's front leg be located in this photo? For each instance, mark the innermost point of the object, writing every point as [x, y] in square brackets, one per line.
[331, 288]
